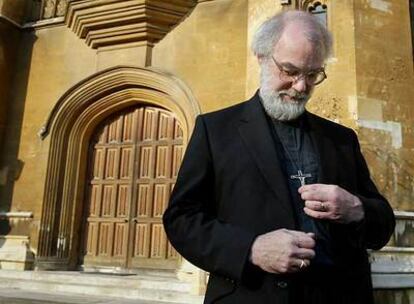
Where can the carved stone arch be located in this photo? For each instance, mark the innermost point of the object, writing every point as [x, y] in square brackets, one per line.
[69, 128]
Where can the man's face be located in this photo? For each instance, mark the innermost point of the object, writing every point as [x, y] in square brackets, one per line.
[285, 96]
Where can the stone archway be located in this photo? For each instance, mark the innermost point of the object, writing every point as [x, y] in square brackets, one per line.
[69, 128]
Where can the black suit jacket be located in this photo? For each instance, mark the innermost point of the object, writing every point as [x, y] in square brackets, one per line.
[231, 188]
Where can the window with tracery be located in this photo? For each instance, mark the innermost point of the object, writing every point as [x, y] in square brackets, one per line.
[47, 9]
[320, 11]
[317, 8]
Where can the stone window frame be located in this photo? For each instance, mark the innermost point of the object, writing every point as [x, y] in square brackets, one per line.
[312, 8]
[309, 6]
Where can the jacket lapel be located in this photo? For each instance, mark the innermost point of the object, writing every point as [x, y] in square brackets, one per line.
[325, 148]
[256, 134]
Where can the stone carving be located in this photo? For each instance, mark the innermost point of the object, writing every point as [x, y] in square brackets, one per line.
[307, 4]
[62, 8]
[48, 9]
[126, 21]
[54, 8]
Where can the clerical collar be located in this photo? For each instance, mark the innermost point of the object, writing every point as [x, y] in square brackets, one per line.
[299, 122]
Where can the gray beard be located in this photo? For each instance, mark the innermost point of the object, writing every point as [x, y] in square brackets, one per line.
[274, 104]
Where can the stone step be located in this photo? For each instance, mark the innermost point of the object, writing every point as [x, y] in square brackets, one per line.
[126, 281]
[145, 287]
[17, 296]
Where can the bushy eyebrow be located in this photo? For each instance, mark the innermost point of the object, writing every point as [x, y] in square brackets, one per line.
[291, 67]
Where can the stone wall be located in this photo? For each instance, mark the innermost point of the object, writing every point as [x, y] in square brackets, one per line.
[208, 52]
[384, 73]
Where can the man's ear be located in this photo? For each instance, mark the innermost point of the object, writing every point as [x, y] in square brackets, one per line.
[260, 59]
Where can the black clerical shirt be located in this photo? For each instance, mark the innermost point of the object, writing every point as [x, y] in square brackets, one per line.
[297, 153]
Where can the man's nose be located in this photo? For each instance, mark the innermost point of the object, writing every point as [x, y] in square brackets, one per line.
[300, 85]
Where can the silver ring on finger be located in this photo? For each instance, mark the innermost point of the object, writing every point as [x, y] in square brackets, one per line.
[302, 264]
[323, 207]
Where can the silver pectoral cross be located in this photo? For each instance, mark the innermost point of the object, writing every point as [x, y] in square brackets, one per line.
[300, 176]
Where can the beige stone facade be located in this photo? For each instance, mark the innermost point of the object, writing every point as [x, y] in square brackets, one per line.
[66, 66]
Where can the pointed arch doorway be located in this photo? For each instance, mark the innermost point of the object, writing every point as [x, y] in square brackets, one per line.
[134, 157]
[68, 132]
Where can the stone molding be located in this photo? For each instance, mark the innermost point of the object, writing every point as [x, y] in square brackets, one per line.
[393, 266]
[393, 281]
[46, 23]
[113, 22]
[393, 260]
[404, 215]
[10, 21]
[284, 2]
[70, 125]
[16, 215]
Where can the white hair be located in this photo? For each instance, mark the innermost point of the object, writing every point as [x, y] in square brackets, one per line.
[269, 33]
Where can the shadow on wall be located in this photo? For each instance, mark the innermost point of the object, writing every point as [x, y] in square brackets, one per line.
[4, 227]
[18, 58]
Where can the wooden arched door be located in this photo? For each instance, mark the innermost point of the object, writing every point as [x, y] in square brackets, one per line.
[134, 160]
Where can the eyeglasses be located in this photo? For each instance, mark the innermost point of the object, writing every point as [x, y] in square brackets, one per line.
[314, 77]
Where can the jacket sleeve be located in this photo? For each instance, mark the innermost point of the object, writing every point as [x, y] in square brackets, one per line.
[191, 220]
[379, 221]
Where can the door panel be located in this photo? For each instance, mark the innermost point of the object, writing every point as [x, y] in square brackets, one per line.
[135, 157]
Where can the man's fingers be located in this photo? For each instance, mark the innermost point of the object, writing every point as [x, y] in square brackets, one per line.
[300, 264]
[306, 243]
[304, 253]
[317, 192]
[297, 233]
[310, 188]
[283, 251]
[317, 205]
[302, 239]
[317, 195]
[316, 214]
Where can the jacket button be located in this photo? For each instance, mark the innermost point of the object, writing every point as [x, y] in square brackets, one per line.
[282, 284]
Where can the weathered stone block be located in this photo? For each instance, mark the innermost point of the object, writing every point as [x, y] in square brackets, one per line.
[15, 253]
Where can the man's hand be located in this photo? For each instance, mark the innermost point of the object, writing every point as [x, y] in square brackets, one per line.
[283, 251]
[332, 203]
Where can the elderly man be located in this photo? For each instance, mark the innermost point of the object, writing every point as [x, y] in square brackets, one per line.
[275, 202]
